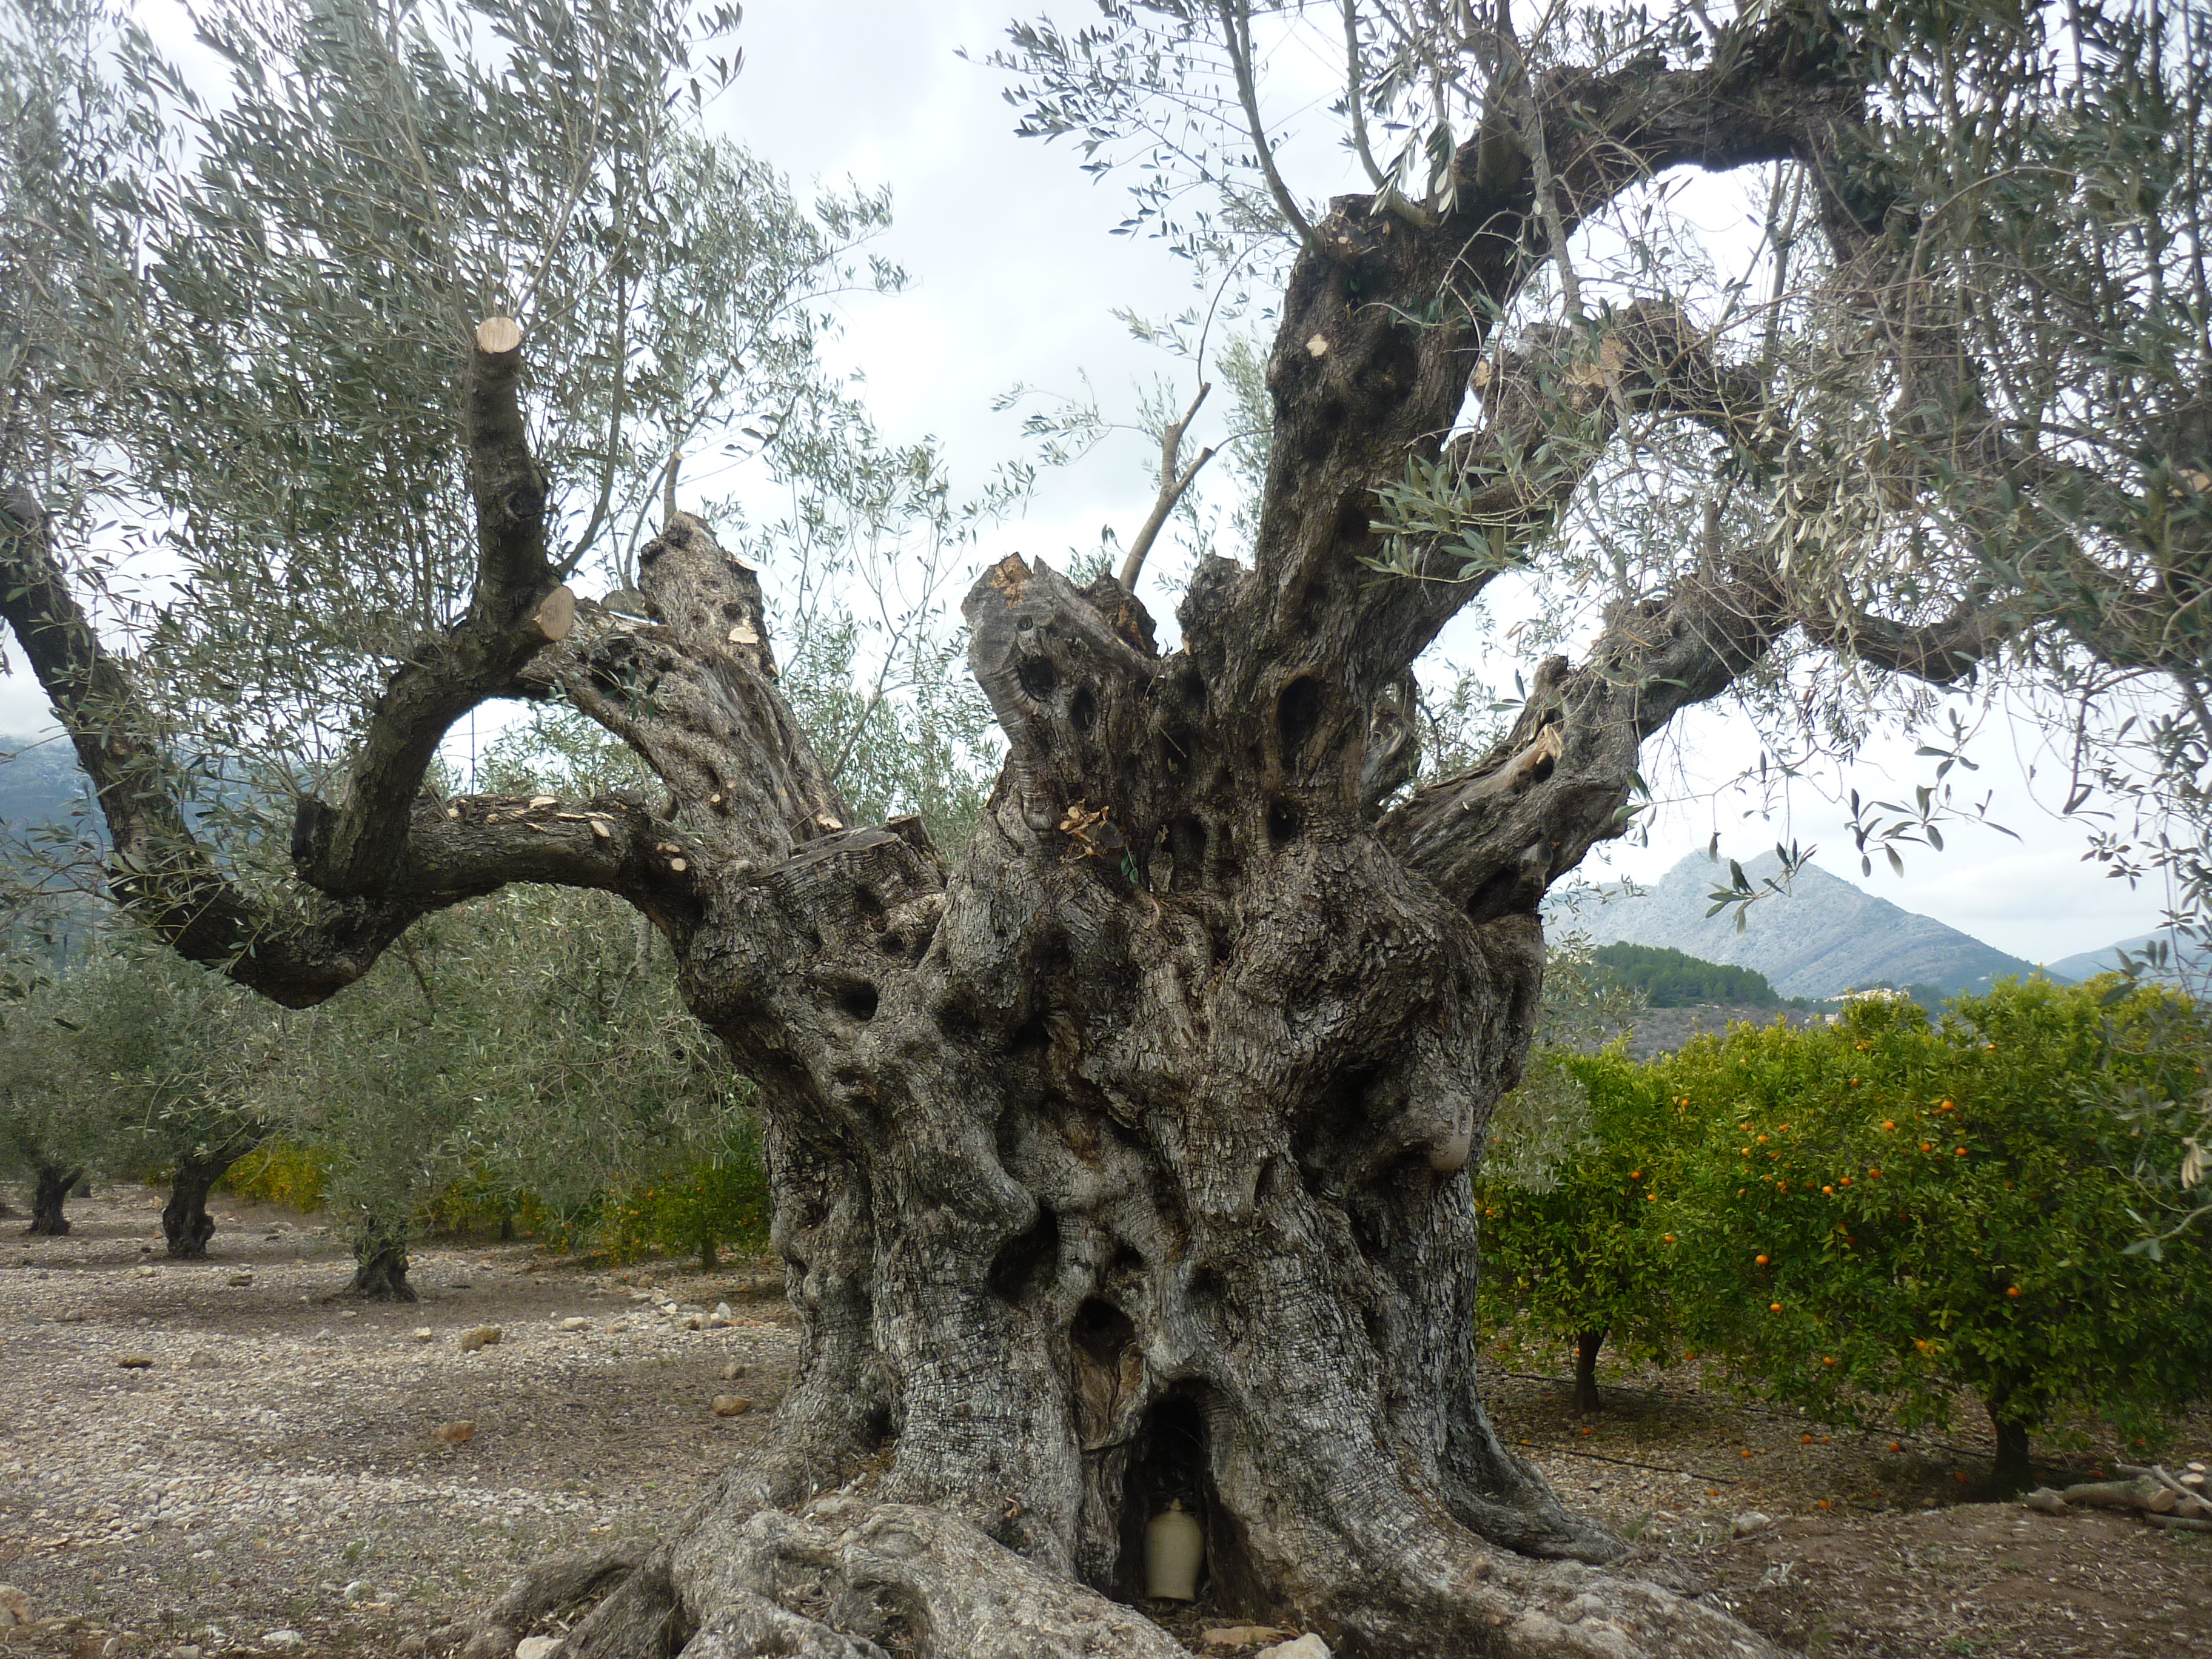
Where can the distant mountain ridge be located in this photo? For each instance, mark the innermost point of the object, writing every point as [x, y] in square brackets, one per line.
[1824, 937]
[2087, 964]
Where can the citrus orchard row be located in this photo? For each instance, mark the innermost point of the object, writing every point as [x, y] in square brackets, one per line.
[1875, 1216]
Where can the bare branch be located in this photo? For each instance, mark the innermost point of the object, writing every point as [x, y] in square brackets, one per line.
[1355, 93]
[1237, 28]
[296, 949]
[1495, 837]
[1174, 481]
[516, 609]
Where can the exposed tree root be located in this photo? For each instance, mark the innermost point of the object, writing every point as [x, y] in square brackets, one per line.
[842, 1578]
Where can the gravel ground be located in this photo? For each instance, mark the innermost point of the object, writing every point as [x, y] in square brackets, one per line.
[273, 1469]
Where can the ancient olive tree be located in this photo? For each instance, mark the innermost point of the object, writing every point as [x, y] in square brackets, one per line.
[1119, 1154]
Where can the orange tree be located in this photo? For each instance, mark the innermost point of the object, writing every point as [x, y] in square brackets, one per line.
[1890, 1210]
[1578, 1252]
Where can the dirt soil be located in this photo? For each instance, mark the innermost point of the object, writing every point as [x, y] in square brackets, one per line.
[270, 1483]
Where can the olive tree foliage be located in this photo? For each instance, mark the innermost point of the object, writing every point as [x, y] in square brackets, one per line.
[53, 1130]
[178, 1057]
[528, 1046]
[241, 321]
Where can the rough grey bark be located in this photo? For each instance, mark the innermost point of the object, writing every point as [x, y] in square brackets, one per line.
[186, 1227]
[49, 1194]
[1119, 1156]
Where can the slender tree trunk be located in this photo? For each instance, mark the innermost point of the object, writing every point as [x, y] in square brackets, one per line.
[48, 1197]
[2013, 1472]
[380, 1252]
[185, 1224]
[1586, 1347]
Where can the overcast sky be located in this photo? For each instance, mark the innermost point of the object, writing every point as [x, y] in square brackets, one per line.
[1017, 276]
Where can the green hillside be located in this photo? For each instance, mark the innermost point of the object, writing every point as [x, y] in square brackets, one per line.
[1671, 978]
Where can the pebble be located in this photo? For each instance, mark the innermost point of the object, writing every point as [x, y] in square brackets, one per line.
[537, 1647]
[1750, 1522]
[148, 1270]
[576, 1324]
[732, 1405]
[1308, 1646]
[360, 1591]
[241, 1279]
[282, 1638]
[15, 1606]
[483, 1336]
[733, 1371]
[424, 1333]
[136, 1362]
[454, 1434]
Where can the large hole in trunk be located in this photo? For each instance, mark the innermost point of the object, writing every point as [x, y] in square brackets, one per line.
[1170, 1461]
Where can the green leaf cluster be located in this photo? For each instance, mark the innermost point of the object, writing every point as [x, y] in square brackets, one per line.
[1887, 1211]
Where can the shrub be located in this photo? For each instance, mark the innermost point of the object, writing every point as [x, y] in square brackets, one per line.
[1888, 1211]
[1582, 1256]
[280, 1171]
[693, 1212]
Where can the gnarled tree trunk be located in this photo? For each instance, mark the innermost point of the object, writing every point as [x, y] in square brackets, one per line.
[185, 1224]
[380, 1256]
[49, 1194]
[1122, 1157]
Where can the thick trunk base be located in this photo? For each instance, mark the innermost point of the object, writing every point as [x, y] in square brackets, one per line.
[51, 1194]
[186, 1227]
[1586, 1350]
[840, 1577]
[380, 1272]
